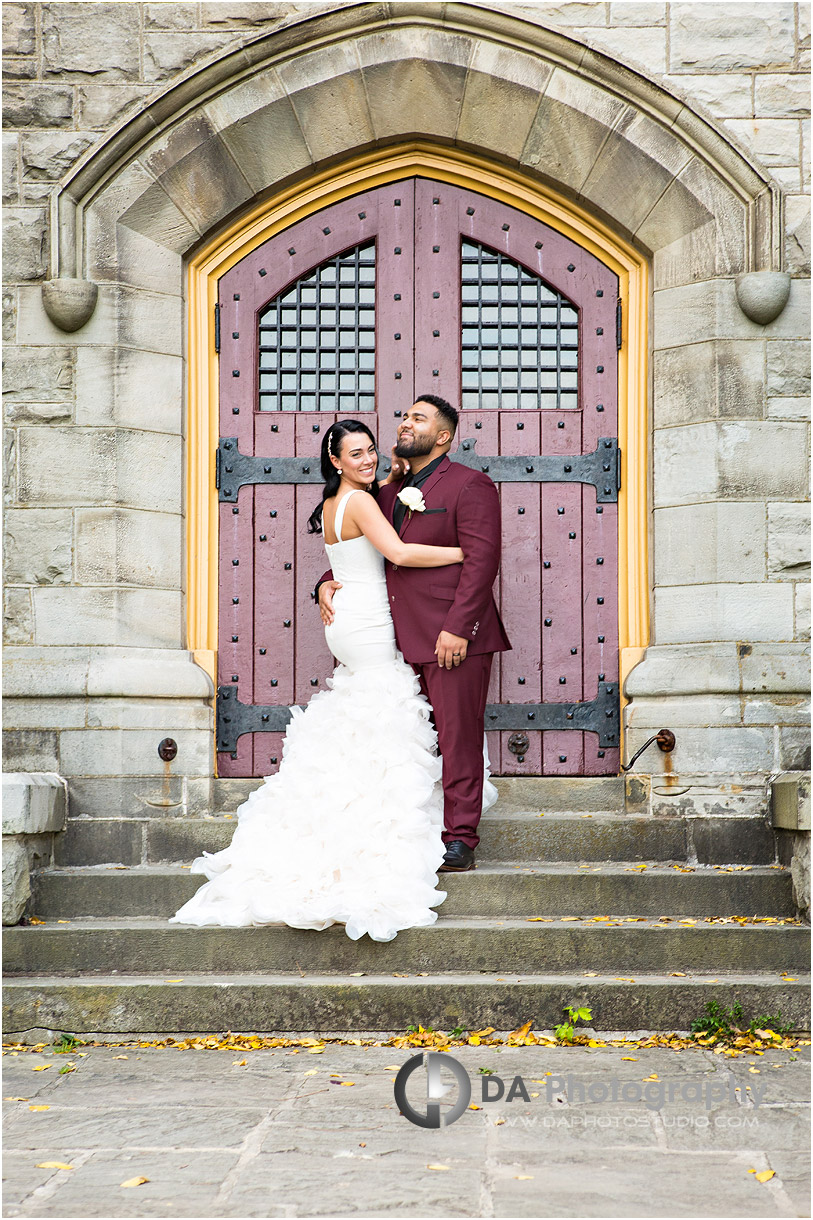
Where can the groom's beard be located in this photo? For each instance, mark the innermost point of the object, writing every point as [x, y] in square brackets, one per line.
[415, 446]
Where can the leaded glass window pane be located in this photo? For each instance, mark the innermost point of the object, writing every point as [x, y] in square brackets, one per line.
[517, 333]
[302, 333]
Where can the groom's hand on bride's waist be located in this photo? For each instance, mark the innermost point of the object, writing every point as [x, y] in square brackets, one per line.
[450, 650]
[326, 590]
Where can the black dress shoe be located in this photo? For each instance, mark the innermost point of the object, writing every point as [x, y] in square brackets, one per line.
[458, 859]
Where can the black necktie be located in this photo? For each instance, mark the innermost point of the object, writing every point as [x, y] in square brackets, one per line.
[400, 508]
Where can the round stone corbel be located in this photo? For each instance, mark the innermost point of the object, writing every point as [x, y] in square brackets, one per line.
[762, 295]
[69, 303]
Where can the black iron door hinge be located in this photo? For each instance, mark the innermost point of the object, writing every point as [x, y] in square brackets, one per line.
[618, 324]
[601, 468]
[217, 328]
[599, 715]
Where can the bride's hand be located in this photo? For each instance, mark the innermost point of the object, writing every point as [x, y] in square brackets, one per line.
[400, 467]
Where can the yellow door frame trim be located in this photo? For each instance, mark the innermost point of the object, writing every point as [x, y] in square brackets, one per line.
[474, 173]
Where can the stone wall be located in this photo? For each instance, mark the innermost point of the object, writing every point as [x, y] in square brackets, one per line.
[94, 421]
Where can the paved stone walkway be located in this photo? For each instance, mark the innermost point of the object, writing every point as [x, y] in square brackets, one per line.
[277, 1133]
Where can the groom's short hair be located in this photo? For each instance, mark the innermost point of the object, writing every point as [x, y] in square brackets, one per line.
[444, 408]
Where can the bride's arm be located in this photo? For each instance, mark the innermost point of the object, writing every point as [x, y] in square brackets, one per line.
[363, 512]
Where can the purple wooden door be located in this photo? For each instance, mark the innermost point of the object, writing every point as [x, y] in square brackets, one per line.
[411, 288]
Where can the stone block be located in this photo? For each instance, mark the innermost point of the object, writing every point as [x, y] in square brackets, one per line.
[789, 408]
[10, 473]
[30, 750]
[39, 375]
[132, 204]
[789, 541]
[37, 545]
[101, 107]
[25, 249]
[144, 618]
[194, 167]
[794, 748]
[772, 141]
[721, 612]
[48, 155]
[125, 752]
[647, 48]
[38, 106]
[681, 711]
[328, 95]
[130, 389]
[9, 306]
[45, 672]
[86, 466]
[802, 610]
[99, 42]
[774, 668]
[685, 669]
[19, 69]
[128, 547]
[169, 53]
[258, 125]
[730, 37]
[725, 95]
[715, 748]
[797, 235]
[19, 29]
[570, 128]
[704, 381]
[75, 672]
[18, 617]
[790, 801]
[567, 14]
[11, 146]
[16, 881]
[762, 459]
[67, 465]
[501, 98]
[414, 82]
[685, 464]
[117, 796]
[632, 14]
[145, 713]
[52, 712]
[636, 164]
[699, 543]
[34, 804]
[781, 95]
[694, 313]
[788, 369]
[35, 328]
[170, 16]
[777, 710]
[94, 841]
[150, 321]
[245, 13]
[37, 412]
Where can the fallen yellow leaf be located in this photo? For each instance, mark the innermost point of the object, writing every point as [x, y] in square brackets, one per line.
[173, 980]
[15, 1099]
[312, 1072]
[53, 1165]
[39, 1107]
[349, 1083]
[630, 1058]
[42, 1067]
[437, 1166]
[765, 1175]
[473, 1107]
[134, 1182]
[121, 1056]
[524, 1177]
[316, 1050]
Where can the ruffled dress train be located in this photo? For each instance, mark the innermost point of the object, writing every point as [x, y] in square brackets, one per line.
[349, 829]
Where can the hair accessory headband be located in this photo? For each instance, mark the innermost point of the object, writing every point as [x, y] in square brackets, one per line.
[329, 441]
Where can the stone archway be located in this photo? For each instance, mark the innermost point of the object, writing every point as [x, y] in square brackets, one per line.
[299, 104]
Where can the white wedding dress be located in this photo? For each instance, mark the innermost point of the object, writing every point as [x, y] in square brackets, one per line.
[349, 829]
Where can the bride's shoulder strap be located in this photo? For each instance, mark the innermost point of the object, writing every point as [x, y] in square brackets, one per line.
[339, 518]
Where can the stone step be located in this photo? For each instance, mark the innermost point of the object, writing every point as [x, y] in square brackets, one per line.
[518, 836]
[492, 889]
[636, 945]
[543, 794]
[285, 1003]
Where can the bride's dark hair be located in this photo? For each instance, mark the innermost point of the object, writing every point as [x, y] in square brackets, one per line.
[331, 444]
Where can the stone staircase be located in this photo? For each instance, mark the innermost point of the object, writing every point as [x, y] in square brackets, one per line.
[575, 899]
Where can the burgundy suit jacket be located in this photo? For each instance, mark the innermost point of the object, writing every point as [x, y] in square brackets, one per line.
[462, 509]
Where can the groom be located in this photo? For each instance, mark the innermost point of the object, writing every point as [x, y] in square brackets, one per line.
[446, 622]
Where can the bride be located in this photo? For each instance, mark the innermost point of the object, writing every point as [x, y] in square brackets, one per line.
[349, 829]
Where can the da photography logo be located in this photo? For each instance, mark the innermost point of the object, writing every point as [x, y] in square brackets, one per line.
[431, 1114]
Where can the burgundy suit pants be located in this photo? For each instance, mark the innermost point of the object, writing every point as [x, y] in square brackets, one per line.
[458, 698]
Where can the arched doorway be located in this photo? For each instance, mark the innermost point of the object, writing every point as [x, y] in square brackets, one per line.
[421, 285]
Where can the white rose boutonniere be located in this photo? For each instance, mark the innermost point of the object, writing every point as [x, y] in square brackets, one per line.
[412, 498]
